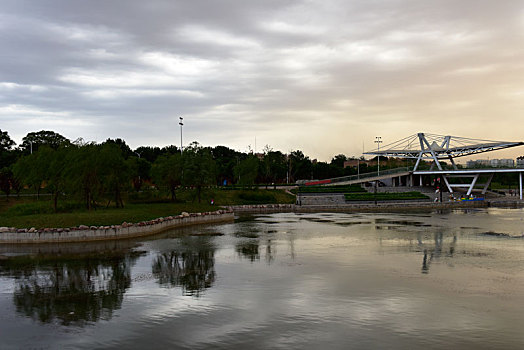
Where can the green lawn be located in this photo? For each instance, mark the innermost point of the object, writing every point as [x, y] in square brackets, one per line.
[28, 212]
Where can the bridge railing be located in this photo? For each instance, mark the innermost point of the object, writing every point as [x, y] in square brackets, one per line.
[361, 176]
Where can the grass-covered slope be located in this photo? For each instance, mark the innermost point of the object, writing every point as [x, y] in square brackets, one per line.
[26, 212]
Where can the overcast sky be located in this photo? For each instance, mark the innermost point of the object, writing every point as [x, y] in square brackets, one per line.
[323, 76]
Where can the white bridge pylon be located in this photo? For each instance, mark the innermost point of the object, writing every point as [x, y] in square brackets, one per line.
[436, 148]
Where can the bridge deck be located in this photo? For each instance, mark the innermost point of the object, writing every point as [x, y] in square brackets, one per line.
[467, 171]
[391, 173]
[364, 179]
[446, 174]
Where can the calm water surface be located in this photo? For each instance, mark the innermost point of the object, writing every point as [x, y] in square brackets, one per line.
[436, 280]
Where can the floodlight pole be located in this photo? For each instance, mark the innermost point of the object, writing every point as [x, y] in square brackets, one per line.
[181, 123]
[139, 177]
[378, 141]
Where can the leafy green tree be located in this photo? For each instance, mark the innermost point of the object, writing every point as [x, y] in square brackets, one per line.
[265, 166]
[339, 160]
[246, 171]
[148, 153]
[6, 176]
[16, 185]
[52, 165]
[126, 150]
[167, 171]
[169, 150]
[273, 166]
[7, 154]
[34, 140]
[199, 167]
[140, 171]
[84, 174]
[114, 171]
[225, 159]
[300, 166]
[336, 167]
[28, 169]
[46, 166]
[322, 170]
[6, 144]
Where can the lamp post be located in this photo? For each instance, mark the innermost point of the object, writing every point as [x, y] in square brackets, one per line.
[378, 141]
[139, 177]
[181, 123]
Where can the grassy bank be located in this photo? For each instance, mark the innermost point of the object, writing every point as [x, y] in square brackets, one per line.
[27, 212]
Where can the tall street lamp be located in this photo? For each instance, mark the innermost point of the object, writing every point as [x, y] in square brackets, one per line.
[378, 141]
[139, 177]
[181, 123]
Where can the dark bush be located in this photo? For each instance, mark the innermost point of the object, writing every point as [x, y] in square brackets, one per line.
[385, 196]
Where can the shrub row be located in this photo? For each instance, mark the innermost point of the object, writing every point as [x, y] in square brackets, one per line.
[331, 189]
[385, 196]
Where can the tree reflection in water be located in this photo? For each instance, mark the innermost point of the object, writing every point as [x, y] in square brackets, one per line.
[73, 290]
[249, 250]
[191, 266]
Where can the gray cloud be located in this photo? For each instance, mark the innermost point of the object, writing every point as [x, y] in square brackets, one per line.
[322, 76]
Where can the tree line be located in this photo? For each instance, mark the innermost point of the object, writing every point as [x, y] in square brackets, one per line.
[104, 171]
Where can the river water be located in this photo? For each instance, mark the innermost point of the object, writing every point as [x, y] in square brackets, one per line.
[433, 280]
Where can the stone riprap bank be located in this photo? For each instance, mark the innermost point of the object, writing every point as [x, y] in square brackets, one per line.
[84, 233]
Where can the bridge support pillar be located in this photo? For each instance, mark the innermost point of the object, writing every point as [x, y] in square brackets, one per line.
[520, 185]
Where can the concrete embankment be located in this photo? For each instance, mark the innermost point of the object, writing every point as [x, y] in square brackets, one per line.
[98, 233]
[11, 235]
[371, 207]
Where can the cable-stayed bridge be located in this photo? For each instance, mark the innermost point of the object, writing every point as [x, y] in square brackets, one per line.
[434, 148]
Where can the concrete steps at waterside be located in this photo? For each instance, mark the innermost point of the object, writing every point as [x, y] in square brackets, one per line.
[321, 199]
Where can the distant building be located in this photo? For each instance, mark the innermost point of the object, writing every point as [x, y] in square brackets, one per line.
[384, 161]
[470, 164]
[492, 163]
[520, 162]
[353, 163]
[505, 163]
[483, 162]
